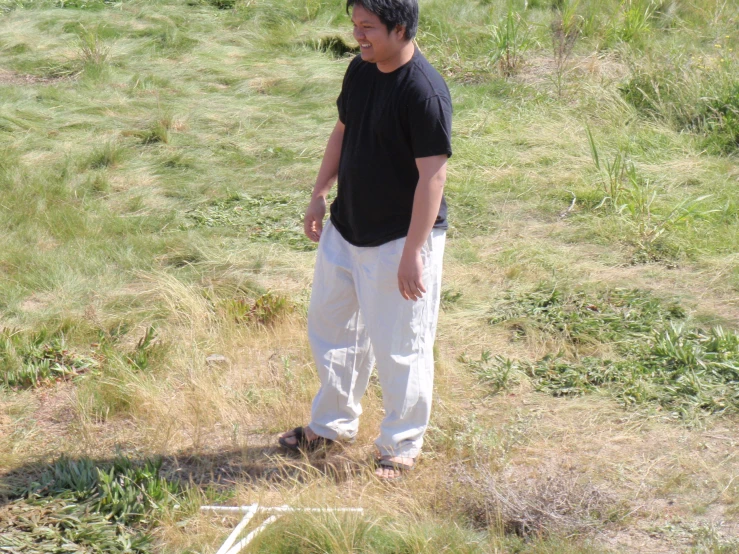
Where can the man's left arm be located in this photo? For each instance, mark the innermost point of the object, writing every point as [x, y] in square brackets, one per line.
[426, 204]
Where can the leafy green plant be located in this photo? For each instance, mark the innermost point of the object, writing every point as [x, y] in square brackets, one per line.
[145, 351]
[450, 298]
[33, 359]
[511, 38]
[267, 217]
[54, 525]
[583, 319]
[264, 310]
[655, 357]
[635, 201]
[83, 506]
[495, 373]
[121, 490]
[678, 368]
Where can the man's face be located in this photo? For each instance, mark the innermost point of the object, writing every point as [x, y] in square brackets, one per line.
[376, 44]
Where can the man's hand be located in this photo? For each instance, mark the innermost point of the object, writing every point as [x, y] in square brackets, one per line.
[410, 272]
[313, 222]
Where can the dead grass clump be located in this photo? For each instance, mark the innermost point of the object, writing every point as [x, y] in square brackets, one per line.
[550, 502]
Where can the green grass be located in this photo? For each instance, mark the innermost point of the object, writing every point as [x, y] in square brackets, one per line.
[630, 343]
[155, 161]
[79, 504]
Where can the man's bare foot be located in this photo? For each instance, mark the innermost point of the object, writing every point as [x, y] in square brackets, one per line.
[394, 468]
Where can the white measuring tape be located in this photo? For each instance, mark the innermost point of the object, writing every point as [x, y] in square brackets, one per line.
[233, 547]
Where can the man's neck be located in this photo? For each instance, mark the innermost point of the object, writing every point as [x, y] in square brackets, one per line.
[404, 56]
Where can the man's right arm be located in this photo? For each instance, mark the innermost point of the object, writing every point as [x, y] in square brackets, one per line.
[327, 175]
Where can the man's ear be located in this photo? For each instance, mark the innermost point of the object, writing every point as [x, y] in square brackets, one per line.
[401, 30]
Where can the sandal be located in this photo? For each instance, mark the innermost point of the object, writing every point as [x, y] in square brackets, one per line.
[302, 442]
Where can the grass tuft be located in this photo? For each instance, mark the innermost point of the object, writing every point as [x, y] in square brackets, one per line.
[110, 155]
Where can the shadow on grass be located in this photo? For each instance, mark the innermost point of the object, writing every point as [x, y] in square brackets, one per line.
[216, 472]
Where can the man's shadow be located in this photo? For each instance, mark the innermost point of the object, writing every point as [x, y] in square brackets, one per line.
[215, 471]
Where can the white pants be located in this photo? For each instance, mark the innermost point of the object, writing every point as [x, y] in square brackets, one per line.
[357, 316]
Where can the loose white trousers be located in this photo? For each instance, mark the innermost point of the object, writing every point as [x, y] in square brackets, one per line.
[357, 317]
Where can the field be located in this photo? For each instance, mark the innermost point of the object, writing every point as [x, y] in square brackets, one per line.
[156, 157]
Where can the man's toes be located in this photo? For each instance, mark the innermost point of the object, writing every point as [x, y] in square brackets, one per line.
[387, 473]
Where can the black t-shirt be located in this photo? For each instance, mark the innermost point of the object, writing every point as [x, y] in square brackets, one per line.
[391, 119]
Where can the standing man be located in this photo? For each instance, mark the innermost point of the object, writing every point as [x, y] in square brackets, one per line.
[377, 279]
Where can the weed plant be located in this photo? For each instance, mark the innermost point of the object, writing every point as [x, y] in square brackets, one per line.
[565, 30]
[35, 359]
[511, 38]
[634, 200]
[656, 356]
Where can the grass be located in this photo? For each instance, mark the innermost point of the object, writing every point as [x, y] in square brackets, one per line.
[626, 342]
[155, 160]
[82, 504]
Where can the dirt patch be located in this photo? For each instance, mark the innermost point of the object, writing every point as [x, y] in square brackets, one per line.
[34, 303]
[675, 480]
[12, 78]
[542, 69]
[55, 411]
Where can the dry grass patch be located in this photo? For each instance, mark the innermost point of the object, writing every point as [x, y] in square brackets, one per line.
[549, 500]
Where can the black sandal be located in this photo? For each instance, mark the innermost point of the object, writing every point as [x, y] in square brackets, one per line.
[302, 442]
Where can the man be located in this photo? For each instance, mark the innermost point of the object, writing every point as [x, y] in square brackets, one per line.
[377, 279]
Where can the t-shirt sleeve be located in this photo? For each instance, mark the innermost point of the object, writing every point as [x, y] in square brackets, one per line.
[431, 127]
[341, 100]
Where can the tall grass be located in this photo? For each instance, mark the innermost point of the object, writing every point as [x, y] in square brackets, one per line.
[510, 39]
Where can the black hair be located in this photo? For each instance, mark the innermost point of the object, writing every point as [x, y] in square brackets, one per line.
[392, 13]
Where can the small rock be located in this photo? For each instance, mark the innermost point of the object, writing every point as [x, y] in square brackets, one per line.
[216, 359]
